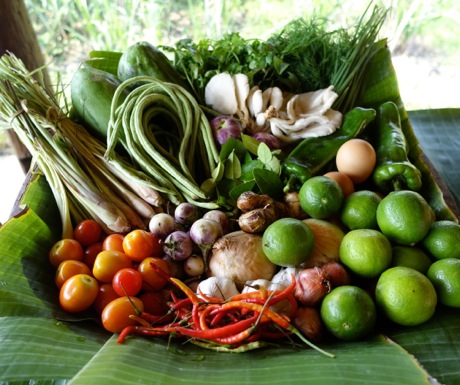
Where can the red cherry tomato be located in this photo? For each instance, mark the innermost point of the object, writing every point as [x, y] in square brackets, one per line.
[88, 232]
[154, 303]
[108, 262]
[115, 316]
[78, 293]
[140, 244]
[105, 295]
[153, 280]
[64, 250]
[113, 242]
[69, 268]
[127, 281]
[90, 254]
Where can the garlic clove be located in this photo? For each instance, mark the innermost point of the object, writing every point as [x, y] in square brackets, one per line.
[217, 287]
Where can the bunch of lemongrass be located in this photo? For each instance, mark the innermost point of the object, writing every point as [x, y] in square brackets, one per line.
[84, 183]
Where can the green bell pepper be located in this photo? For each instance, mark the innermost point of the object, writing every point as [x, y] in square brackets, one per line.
[393, 170]
[311, 155]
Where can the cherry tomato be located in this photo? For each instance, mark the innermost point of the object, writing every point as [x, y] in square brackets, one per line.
[113, 242]
[90, 254]
[127, 281]
[140, 244]
[87, 232]
[115, 316]
[105, 295]
[108, 262]
[151, 278]
[64, 250]
[154, 303]
[69, 268]
[78, 293]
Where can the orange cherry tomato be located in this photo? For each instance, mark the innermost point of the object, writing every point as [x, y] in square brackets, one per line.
[64, 250]
[154, 303]
[115, 316]
[90, 254]
[78, 293]
[69, 268]
[87, 232]
[108, 262]
[113, 242]
[151, 278]
[105, 295]
[140, 244]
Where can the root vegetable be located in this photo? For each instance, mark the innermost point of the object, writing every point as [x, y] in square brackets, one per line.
[336, 274]
[308, 321]
[312, 286]
[239, 256]
[257, 220]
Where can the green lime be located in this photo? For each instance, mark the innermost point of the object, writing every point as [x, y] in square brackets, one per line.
[405, 296]
[287, 242]
[321, 197]
[359, 210]
[404, 217]
[348, 313]
[411, 256]
[445, 277]
[366, 252]
[443, 240]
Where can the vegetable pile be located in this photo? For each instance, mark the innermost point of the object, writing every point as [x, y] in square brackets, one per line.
[175, 178]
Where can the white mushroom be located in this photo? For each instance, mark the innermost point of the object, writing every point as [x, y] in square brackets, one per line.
[220, 95]
[241, 82]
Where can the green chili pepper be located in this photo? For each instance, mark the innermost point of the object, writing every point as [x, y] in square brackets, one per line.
[311, 155]
[393, 170]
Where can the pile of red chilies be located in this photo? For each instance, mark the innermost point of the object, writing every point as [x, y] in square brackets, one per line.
[243, 319]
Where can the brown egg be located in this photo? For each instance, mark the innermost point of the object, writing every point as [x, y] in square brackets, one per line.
[343, 180]
[356, 158]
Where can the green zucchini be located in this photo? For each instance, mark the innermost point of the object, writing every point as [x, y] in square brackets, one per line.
[91, 92]
[144, 59]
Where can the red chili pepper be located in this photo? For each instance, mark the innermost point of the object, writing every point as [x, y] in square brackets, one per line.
[221, 332]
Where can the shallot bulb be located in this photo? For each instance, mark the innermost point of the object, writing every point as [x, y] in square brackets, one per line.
[312, 286]
[308, 321]
[336, 274]
[269, 139]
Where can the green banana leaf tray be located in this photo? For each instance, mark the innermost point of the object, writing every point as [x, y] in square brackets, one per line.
[40, 344]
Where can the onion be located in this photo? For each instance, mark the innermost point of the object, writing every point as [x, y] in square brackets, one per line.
[336, 274]
[161, 225]
[178, 245]
[312, 286]
[225, 127]
[308, 321]
[239, 256]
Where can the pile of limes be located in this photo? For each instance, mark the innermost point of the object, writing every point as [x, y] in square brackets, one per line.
[403, 262]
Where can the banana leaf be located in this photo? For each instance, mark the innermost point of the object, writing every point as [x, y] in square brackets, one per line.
[40, 344]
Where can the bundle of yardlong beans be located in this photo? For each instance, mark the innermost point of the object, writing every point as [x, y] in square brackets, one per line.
[167, 134]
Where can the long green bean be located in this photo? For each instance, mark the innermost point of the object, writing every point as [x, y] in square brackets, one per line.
[137, 125]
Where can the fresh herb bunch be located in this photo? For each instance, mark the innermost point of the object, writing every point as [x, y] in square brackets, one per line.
[302, 57]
